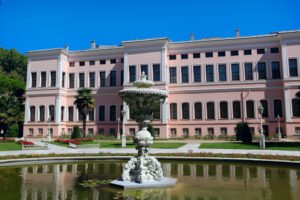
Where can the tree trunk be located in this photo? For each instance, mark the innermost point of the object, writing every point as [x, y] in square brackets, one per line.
[84, 125]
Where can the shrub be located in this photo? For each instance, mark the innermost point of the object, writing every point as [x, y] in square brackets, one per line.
[151, 130]
[75, 132]
[13, 131]
[24, 142]
[7, 140]
[243, 133]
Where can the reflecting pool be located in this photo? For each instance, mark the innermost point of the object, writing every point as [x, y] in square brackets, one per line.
[196, 181]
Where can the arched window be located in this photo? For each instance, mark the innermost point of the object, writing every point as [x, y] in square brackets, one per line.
[296, 107]
[185, 111]
[173, 110]
[250, 109]
[277, 108]
[32, 113]
[236, 106]
[210, 110]
[223, 110]
[198, 110]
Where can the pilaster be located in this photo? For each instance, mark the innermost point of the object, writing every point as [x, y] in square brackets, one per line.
[57, 109]
[126, 69]
[287, 108]
[59, 72]
[164, 64]
[28, 82]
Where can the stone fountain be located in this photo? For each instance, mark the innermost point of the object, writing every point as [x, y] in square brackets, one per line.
[143, 170]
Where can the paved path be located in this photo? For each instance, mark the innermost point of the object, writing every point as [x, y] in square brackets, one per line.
[184, 149]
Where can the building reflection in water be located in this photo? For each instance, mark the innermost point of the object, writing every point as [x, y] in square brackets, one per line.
[196, 181]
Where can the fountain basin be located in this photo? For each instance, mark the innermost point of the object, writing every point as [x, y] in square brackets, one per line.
[164, 182]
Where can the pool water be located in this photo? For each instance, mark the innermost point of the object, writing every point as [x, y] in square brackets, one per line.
[196, 181]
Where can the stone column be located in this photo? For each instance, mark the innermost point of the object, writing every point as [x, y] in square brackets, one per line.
[164, 112]
[287, 106]
[126, 69]
[164, 64]
[57, 109]
[59, 72]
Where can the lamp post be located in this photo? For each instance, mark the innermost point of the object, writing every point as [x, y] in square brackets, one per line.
[279, 131]
[123, 128]
[49, 133]
[118, 133]
[262, 136]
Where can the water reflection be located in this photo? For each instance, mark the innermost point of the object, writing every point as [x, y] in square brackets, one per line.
[196, 181]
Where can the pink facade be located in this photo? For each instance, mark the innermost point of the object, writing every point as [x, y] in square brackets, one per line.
[212, 83]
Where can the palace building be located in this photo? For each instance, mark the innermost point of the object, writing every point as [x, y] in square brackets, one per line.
[213, 84]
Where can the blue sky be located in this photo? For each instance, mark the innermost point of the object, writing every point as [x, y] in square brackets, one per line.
[39, 24]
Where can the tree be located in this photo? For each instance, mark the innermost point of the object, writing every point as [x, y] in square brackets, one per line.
[84, 102]
[243, 132]
[75, 132]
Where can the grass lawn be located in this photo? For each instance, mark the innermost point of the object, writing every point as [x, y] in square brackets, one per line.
[10, 146]
[67, 145]
[237, 145]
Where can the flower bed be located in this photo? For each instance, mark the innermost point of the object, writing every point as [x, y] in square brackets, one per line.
[7, 140]
[24, 142]
[67, 141]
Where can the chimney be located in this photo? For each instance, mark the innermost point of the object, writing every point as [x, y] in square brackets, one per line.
[93, 44]
[66, 47]
[237, 32]
[192, 37]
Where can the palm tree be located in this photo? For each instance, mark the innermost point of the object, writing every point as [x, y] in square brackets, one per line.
[84, 102]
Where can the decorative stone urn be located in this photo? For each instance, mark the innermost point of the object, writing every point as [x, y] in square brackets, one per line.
[143, 170]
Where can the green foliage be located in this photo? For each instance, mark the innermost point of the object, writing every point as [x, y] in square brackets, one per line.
[243, 133]
[75, 132]
[151, 130]
[13, 130]
[84, 101]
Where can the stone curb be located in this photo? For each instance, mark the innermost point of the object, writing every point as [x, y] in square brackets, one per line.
[47, 160]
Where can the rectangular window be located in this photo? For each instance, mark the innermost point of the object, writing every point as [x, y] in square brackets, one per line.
[250, 109]
[91, 115]
[132, 73]
[223, 110]
[173, 111]
[157, 132]
[112, 132]
[198, 132]
[122, 60]
[92, 62]
[102, 62]
[72, 64]
[236, 106]
[40, 130]
[197, 73]
[247, 52]
[209, 54]
[260, 51]
[198, 110]
[235, 72]
[185, 74]
[122, 77]
[81, 80]
[156, 72]
[185, 111]
[209, 73]
[33, 79]
[210, 106]
[275, 70]
[62, 112]
[31, 131]
[184, 56]
[43, 79]
[90, 131]
[174, 132]
[101, 131]
[113, 61]
[71, 113]
[196, 55]
[71, 80]
[42, 113]
[92, 79]
[248, 71]
[101, 113]
[53, 79]
[223, 131]
[112, 113]
[172, 57]
[144, 68]
[293, 67]
[222, 72]
[173, 74]
[113, 78]
[185, 132]
[234, 53]
[51, 110]
[264, 104]
[81, 63]
[211, 131]
[32, 113]
[63, 79]
[102, 78]
[221, 54]
[262, 72]
[274, 50]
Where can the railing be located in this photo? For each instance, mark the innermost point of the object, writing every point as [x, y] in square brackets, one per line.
[83, 146]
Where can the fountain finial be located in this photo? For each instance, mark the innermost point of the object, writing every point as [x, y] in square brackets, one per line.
[143, 82]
